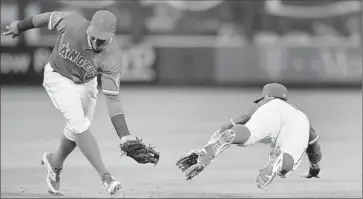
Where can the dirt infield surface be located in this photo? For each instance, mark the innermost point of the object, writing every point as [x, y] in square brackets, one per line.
[176, 121]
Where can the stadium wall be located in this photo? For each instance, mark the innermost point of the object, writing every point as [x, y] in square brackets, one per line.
[312, 65]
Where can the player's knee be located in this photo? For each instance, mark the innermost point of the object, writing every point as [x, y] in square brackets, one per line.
[79, 126]
[243, 135]
[287, 163]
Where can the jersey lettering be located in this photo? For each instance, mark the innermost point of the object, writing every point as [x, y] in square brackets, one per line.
[88, 67]
[63, 51]
[74, 56]
[80, 61]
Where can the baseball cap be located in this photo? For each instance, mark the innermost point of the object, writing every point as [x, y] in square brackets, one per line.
[273, 90]
[103, 25]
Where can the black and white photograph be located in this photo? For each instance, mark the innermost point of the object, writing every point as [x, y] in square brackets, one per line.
[181, 98]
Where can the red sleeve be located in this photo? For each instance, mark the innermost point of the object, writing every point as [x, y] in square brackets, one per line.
[243, 119]
[61, 21]
[110, 77]
[313, 137]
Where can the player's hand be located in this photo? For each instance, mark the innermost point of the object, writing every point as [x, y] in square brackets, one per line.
[313, 171]
[12, 29]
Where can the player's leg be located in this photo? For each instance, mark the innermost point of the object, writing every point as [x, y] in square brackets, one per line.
[266, 175]
[293, 143]
[65, 148]
[257, 128]
[195, 161]
[88, 94]
[54, 163]
[241, 135]
[260, 126]
[288, 152]
[53, 83]
[67, 144]
[264, 125]
[280, 163]
[66, 98]
[287, 165]
[89, 147]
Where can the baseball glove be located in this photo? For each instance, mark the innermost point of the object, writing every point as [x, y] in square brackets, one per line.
[139, 151]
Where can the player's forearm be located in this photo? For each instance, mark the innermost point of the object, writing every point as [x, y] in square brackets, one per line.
[314, 152]
[36, 21]
[119, 122]
[117, 116]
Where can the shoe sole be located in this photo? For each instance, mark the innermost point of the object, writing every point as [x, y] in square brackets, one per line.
[188, 161]
[47, 164]
[269, 171]
[195, 170]
[211, 151]
[222, 142]
[115, 188]
[55, 193]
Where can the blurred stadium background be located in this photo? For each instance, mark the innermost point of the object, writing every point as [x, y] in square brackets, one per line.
[216, 55]
[208, 42]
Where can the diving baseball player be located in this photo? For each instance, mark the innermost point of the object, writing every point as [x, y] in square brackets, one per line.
[273, 120]
[83, 50]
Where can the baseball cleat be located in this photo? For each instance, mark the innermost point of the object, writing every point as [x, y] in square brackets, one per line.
[187, 161]
[53, 175]
[111, 185]
[203, 159]
[195, 162]
[219, 142]
[269, 172]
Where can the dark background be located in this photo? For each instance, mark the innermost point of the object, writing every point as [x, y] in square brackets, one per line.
[213, 43]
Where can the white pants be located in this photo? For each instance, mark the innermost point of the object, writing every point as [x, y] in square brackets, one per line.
[76, 102]
[280, 124]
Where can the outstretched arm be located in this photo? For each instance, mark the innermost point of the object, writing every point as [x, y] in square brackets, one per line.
[133, 148]
[243, 118]
[314, 154]
[116, 114]
[52, 20]
[129, 145]
[110, 79]
[36, 21]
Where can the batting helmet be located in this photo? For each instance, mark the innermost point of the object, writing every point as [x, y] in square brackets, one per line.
[273, 90]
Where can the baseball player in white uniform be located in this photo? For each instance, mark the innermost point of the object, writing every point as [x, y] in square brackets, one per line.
[274, 121]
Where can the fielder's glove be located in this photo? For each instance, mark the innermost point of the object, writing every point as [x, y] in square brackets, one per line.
[12, 29]
[139, 152]
[313, 171]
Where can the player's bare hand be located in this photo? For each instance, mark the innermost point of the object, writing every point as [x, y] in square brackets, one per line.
[12, 29]
[313, 171]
